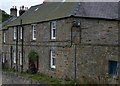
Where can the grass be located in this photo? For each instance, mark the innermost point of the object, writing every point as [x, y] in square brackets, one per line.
[46, 79]
[43, 78]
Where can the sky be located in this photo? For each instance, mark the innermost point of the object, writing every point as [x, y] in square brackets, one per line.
[7, 4]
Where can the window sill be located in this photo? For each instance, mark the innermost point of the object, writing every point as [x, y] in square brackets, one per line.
[14, 39]
[33, 40]
[53, 67]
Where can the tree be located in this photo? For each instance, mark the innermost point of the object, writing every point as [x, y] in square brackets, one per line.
[3, 16]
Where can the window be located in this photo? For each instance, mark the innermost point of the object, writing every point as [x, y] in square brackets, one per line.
[52, 62]
[112, 68]
[4, 37]
[33, 32]
[21, 32]
[53, 30]
[15, 33]
[14, 56]
[3, 58]
[20, 57]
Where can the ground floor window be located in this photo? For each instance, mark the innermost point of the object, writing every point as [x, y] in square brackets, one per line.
[14, 56]
[3, 58]
[53, 59]
[113, 68]
[20, 57]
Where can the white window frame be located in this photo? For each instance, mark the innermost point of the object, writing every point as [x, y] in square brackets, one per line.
[3, 58]
[20, 57]
[52, 55]
[53, 28]
[4, 36]
[14, 56]
[21, 31]
[33, 32]
[15, 33]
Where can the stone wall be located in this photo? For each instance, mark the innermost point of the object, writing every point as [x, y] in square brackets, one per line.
[93, 62]
[14, 78]
[96, 43]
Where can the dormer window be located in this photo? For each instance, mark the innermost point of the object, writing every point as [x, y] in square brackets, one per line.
[53, 30]
[15, 33]
[33, 32]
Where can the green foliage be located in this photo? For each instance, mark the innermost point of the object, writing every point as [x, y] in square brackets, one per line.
[32, 56]
[3, 16]
[43, 78]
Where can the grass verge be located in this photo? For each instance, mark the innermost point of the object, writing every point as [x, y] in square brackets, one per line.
[42, 78]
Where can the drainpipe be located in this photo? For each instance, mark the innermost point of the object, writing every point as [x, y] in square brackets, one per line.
[71, 35]
[22, 43]
[11, 49]
[17, 49]
[75, 62]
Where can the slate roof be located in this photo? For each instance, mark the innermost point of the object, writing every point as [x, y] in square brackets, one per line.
[106, 10]
[55, 10]
[7, 22]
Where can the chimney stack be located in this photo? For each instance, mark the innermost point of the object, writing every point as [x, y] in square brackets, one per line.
[22, 10]
[13, 11]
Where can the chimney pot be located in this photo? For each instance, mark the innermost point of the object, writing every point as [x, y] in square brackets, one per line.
[20, 7]
[23, 7]
[13, 11]
[22, 10]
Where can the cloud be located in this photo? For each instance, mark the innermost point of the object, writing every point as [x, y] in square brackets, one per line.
[7, 4]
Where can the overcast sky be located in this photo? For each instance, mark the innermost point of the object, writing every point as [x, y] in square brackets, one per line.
[7, 4]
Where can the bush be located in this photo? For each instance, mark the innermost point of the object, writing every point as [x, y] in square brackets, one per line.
[33, 56]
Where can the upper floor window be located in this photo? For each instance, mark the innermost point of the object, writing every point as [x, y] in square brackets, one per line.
[33, 32]
[53, 30]
[4, 37]
[52, 57]
[21, 31]
[15, 33]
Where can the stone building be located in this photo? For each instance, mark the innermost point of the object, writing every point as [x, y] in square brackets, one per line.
[3, 29]
[73, 40]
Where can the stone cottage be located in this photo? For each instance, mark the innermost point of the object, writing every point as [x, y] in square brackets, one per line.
[77, 40]
[3, 29]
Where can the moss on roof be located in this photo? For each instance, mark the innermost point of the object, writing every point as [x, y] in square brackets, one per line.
[45, 12]
[55, 10]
